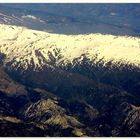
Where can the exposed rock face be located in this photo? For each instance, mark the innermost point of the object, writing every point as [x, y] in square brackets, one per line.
[48, 114]
[9, 86]
[131, 122]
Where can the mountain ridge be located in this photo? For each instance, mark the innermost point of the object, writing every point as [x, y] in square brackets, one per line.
[39, 48]
[52, 78]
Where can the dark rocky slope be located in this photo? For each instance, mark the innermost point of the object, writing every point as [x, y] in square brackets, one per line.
[102, 111]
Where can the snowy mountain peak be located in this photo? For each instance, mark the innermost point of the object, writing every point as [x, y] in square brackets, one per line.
[29, 48]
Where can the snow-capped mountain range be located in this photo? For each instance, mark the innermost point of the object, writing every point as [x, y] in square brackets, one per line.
[24, 48]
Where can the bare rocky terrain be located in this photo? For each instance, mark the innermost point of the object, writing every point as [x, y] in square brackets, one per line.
[57, 81]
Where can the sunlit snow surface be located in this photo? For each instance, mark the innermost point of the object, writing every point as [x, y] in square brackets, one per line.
[37, 48]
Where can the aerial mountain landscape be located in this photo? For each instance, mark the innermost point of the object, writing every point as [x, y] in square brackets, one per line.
[69, 70]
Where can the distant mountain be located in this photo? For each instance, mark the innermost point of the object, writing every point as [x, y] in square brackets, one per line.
[116, 19]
